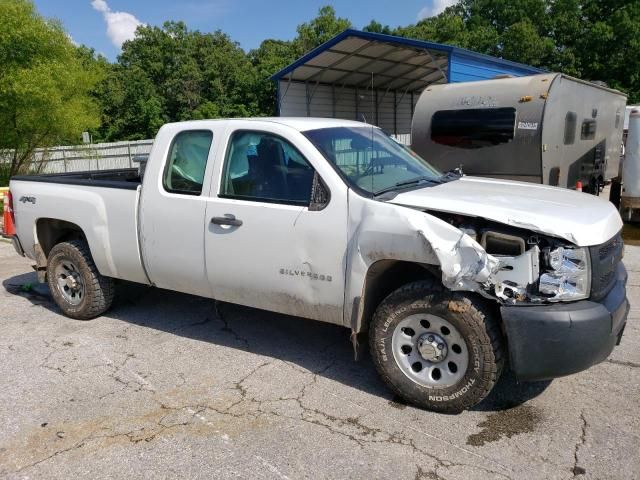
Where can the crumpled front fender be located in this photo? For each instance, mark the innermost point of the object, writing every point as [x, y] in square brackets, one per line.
[383, 231]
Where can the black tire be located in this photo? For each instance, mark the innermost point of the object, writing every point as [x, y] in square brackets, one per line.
[98, 290]
[475, 323]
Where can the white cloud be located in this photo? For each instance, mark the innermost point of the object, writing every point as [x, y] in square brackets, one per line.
[121, 26]
[434, 8]
[75, 44]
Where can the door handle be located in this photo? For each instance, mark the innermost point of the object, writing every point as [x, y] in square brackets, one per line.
[228, 219]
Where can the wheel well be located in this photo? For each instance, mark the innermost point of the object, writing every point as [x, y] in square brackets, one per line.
[386, 276]
[51, 231]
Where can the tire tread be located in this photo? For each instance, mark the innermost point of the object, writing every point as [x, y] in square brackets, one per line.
[100, 290]
[477, 312]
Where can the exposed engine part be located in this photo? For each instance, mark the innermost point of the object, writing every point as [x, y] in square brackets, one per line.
[510, 292]
[516, 275]
[497, 243]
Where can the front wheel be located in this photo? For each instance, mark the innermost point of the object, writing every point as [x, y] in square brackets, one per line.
[75, 283]
[437, 349]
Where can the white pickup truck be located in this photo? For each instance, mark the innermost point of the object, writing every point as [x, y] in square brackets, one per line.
[452, 277]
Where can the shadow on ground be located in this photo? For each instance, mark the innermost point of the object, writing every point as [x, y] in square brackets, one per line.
[318, 347]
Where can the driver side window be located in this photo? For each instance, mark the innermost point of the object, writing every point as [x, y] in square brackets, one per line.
[264, 167]
[184, 172]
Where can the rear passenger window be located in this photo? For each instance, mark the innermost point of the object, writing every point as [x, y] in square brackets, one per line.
[187, 162]
[570, 123]
[264, 167]
[473, 128]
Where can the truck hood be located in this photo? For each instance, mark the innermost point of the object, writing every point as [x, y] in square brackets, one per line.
[580, 218]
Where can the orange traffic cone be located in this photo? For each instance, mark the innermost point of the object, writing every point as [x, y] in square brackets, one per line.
[8, 219]
[579, 186]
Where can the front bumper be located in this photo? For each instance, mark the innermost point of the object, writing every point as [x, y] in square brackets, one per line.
[548, 341]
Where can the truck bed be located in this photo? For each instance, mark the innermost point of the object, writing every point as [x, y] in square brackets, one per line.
[103, 205]
[125, 178]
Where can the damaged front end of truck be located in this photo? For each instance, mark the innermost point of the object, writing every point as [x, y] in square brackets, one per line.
[512, 265]
[506, 264]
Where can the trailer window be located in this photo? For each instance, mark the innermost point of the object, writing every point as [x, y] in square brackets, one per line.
[588, 131]
[570, 123]
[473, 128]
[184, 172]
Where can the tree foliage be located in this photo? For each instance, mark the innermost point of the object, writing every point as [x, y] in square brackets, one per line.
[45, 84]
[171, 73]
[591, 39]
[322, 28]
[48, 89]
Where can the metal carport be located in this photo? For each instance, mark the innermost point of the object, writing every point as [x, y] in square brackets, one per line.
[378, 78]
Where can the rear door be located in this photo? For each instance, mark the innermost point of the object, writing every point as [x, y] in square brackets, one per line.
[264, 246]
[173, 206]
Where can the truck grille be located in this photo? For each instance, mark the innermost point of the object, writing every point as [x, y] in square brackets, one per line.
[604, 262]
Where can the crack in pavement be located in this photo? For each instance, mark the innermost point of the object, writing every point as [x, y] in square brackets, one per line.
[45, 362]
[365, 434]
[623, 363]
[351, 427]
[423, 475]
[407, 426]
[577, 470]
[76, 445]
[226, 327]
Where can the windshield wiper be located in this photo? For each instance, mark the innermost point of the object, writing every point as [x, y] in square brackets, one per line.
[408, 183]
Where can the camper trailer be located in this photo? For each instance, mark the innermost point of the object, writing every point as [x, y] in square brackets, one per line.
[550, 128]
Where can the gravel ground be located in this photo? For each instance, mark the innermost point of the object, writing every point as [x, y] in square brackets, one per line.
[168, 385]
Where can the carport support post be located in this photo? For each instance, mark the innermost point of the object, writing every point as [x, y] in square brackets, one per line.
[395, 114]
[129, 153]
[333, 100]
[306, 89]
[376, 113]
[357, 105]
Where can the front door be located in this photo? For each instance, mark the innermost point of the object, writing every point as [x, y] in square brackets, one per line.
[264, 247]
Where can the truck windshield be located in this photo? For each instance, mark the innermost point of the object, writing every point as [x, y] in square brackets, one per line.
[370, 160]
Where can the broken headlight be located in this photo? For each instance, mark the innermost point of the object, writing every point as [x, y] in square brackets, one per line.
[568, 274]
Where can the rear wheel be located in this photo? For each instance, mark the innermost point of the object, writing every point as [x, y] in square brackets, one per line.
[75, 283]
[437, 349]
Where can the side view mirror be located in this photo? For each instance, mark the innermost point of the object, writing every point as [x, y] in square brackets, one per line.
[320, 194]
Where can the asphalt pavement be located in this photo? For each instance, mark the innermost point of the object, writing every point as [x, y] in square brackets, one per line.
[167, 385]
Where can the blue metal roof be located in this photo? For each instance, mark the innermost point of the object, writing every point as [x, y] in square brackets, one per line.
[462, 64]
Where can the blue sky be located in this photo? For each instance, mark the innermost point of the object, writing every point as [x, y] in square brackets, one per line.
[104, 24]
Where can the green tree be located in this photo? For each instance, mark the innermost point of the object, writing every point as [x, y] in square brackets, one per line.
[377, 27]
[322, 28]
[271, 57]
[172, 74]
[590, 39]
[45, 85]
